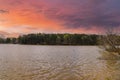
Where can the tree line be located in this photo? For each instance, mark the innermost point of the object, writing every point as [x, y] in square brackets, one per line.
[53, 39]
[58, 39]
[8, 40]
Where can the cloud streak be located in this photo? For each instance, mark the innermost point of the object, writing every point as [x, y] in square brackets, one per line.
[2, 11]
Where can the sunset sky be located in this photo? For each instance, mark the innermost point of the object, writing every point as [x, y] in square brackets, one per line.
[19, 17]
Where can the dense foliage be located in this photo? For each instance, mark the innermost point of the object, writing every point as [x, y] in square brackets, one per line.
[54, 39]
[8, 40]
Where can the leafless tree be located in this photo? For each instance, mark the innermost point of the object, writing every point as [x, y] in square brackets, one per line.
[110, 41]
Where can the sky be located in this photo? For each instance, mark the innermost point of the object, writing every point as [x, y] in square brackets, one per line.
[18, 17]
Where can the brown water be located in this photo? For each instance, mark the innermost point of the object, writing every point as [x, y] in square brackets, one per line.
[26, 62]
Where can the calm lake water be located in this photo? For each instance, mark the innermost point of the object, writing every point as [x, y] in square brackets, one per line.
[30, 62]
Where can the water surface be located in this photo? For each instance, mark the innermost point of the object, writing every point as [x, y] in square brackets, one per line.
[30, 62]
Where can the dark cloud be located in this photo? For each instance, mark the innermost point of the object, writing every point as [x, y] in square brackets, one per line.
[96, 2]
[98, 13]
[99, 21]
[2, 11]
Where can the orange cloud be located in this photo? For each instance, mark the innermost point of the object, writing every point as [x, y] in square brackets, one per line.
[59, 16]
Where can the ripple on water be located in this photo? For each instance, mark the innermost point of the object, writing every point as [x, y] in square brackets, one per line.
[56, 63]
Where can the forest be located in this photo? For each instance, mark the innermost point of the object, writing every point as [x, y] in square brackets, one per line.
[53, 39]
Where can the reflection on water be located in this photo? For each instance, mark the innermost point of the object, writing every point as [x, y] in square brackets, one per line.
[19, 62]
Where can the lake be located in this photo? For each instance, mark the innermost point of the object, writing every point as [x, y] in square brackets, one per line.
[31, 62]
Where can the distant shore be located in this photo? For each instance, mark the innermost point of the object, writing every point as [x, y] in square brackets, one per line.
[53, 39]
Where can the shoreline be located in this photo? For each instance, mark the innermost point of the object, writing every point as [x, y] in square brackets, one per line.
[47, 45]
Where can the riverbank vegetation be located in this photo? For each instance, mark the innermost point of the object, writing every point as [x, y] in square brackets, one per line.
[53, 39]
[110, 42]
